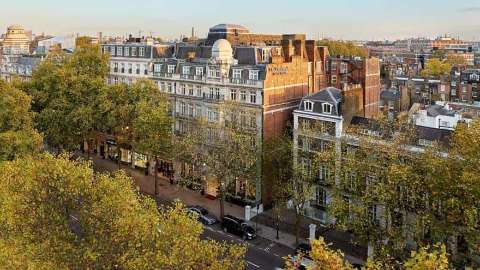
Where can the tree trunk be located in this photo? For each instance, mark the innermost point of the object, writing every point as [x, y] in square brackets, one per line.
[298, 219]
[118, 157]
[222, 202]
[155, 170]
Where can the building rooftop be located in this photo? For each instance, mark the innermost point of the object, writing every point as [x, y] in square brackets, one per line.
[436, 110]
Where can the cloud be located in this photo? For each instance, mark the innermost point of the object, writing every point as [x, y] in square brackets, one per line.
[469, 10]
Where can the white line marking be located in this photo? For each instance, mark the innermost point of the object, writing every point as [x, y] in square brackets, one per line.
[249, 262]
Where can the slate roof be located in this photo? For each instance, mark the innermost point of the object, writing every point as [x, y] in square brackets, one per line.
[390, 94]
[436, 110]
[330, 94]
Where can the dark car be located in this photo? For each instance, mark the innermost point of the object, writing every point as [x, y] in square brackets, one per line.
[203, 215]
[239, 227]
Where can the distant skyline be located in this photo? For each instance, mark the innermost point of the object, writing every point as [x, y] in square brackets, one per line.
[340, 19]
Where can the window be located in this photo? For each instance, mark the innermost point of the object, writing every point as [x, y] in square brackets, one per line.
[243, 96]
[212, 115]
[190, 90]
[130, 69]
[323, 173]
[233, 94]
[171, 69]
[186, 70]
[169, 87]
[198, 110]
[327, 108]
[183, 108]
[253, 75]
[253, 97]
[141, 51]
[115, 67]
[190, 110]
[182, 89]
[217, 93]
[321, 196]
[122, 68]
[334, 79]
[253, 121]
[212, 73]
[112, 50]
[163, 86]
[199, 90]
[119, 51]
[199, 71]
[308, 106]
[126, 51]
[137, 68]
[237, 74]
[134, 51]
[157, 68]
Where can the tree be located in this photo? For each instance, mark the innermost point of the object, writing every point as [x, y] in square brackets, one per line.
[17, 135]
[436, 68]
[396, 197]
[341, 48]
[57, 213]
[424, 260]
[152, 126]
[277, 171]
[65, 89]
[456, 60]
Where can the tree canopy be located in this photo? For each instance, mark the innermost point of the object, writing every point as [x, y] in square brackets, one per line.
[436, 67]
[65, 89]
[17, 135]
[59, 214]
[342, 48]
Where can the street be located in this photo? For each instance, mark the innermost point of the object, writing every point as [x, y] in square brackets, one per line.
[261, 253]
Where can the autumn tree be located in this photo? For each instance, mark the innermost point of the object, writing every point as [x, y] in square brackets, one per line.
[59, 214]
[152, 124]
[17, 135]
[341, 48]
[436, 68]
[64, 90]
[456, 60]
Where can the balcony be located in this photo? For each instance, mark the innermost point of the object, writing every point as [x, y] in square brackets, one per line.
[239, 81]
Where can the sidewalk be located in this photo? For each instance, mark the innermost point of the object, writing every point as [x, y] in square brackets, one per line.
[263, 222]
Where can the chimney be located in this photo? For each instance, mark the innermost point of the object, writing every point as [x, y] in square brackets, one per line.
[191, 55]
[287, 48]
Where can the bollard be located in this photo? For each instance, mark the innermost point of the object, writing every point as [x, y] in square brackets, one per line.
[313, 230]
[247, 213]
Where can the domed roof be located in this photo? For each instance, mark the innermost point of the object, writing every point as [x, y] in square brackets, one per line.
[222, 50]
[228, 28]
[222, 45]
[16, 27]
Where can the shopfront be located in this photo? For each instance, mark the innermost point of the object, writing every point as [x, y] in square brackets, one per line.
[111, 150]
[140, 160]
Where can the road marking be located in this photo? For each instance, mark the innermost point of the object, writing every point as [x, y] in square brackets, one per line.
[267, 249]
[249, 262]
[276, 255]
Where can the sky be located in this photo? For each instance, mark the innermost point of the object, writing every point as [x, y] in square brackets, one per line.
[339, 19]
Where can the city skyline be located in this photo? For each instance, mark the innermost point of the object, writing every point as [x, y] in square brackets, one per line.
[343, 19]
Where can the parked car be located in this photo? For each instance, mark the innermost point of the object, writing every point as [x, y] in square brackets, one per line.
[239, 227]
[203, 216]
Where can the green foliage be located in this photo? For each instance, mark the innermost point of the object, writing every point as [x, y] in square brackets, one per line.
[436, 68]
[58, 214]
[65, 89]
[424, 260]
[341, 48]
[17, 135]
[428, 197]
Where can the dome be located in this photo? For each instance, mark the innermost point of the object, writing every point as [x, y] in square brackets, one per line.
[15, 27]
[222, 49]
[225, 28]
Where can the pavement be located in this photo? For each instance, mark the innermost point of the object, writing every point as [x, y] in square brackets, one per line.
[266, 251]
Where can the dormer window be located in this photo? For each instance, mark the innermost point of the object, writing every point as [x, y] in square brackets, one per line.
[186, 70]
[170, 69]
[237, 73]
[327, 108]
[199, 71]
[253, 75]
[308, 106]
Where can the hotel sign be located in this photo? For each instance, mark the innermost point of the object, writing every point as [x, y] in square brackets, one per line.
[279, 70]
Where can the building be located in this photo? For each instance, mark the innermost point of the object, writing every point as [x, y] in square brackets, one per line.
[442, 42]
[16, 60]
[439, 116]
[266, 75]
[67, 43]
[361, 77]
[416, 45]
[319, 124]
[16, 41]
